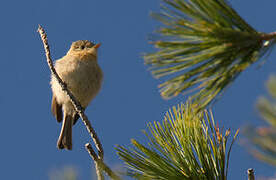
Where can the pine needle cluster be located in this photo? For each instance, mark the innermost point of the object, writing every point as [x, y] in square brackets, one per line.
[186, 145]
[202, 47]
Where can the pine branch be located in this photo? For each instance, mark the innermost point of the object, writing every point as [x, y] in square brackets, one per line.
[262, 140]
[186, 145]
[202, 48]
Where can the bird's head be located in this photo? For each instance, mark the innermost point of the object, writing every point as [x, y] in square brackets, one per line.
[84, 49]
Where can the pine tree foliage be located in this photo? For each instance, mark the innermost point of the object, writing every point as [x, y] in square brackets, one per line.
[186, 145]
[202, 47]
[263, 139]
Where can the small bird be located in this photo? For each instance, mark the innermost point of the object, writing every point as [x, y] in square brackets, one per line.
[83, 76]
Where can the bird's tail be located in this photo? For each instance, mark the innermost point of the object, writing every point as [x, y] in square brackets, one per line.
[65, 137]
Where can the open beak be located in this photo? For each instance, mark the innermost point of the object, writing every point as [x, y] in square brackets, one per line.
[97, 45]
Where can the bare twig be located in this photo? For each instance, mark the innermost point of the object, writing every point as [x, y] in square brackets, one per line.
[250, 173]
[95, 158]
[74, 101]
[99, 164]
[98, 171]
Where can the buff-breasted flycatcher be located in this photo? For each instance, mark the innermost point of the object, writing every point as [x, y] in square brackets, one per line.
[79, 69]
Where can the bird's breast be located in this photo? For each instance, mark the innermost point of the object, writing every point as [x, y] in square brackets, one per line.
[83, 78]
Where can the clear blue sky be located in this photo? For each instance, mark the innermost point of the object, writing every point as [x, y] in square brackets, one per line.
[129, 97]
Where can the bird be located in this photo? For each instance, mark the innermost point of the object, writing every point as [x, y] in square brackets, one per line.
[83, 76]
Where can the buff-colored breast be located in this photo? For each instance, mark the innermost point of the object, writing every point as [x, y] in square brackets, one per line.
[83, 77]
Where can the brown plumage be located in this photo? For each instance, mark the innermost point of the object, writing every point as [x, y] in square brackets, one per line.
[56, 109]
[80, 71]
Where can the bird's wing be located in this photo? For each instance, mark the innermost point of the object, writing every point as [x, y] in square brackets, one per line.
[56, 109]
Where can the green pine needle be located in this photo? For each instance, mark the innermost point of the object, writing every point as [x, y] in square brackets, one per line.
[186, 145]
[263, 139]
[203, 46]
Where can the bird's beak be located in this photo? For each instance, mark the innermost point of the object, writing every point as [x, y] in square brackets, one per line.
[97, 46]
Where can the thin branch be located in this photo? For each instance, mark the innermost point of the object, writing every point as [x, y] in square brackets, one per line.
[95, 158]
[99, 164]
[74, 101]
[98, 171]
[268, 36]
[96, 161]
[250, 173]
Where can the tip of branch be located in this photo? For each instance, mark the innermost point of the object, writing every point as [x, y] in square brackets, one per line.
[250, 173]
[39, 28]
[87, 145]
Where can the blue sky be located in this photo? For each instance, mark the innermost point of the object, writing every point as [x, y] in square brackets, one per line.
[129, 97]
